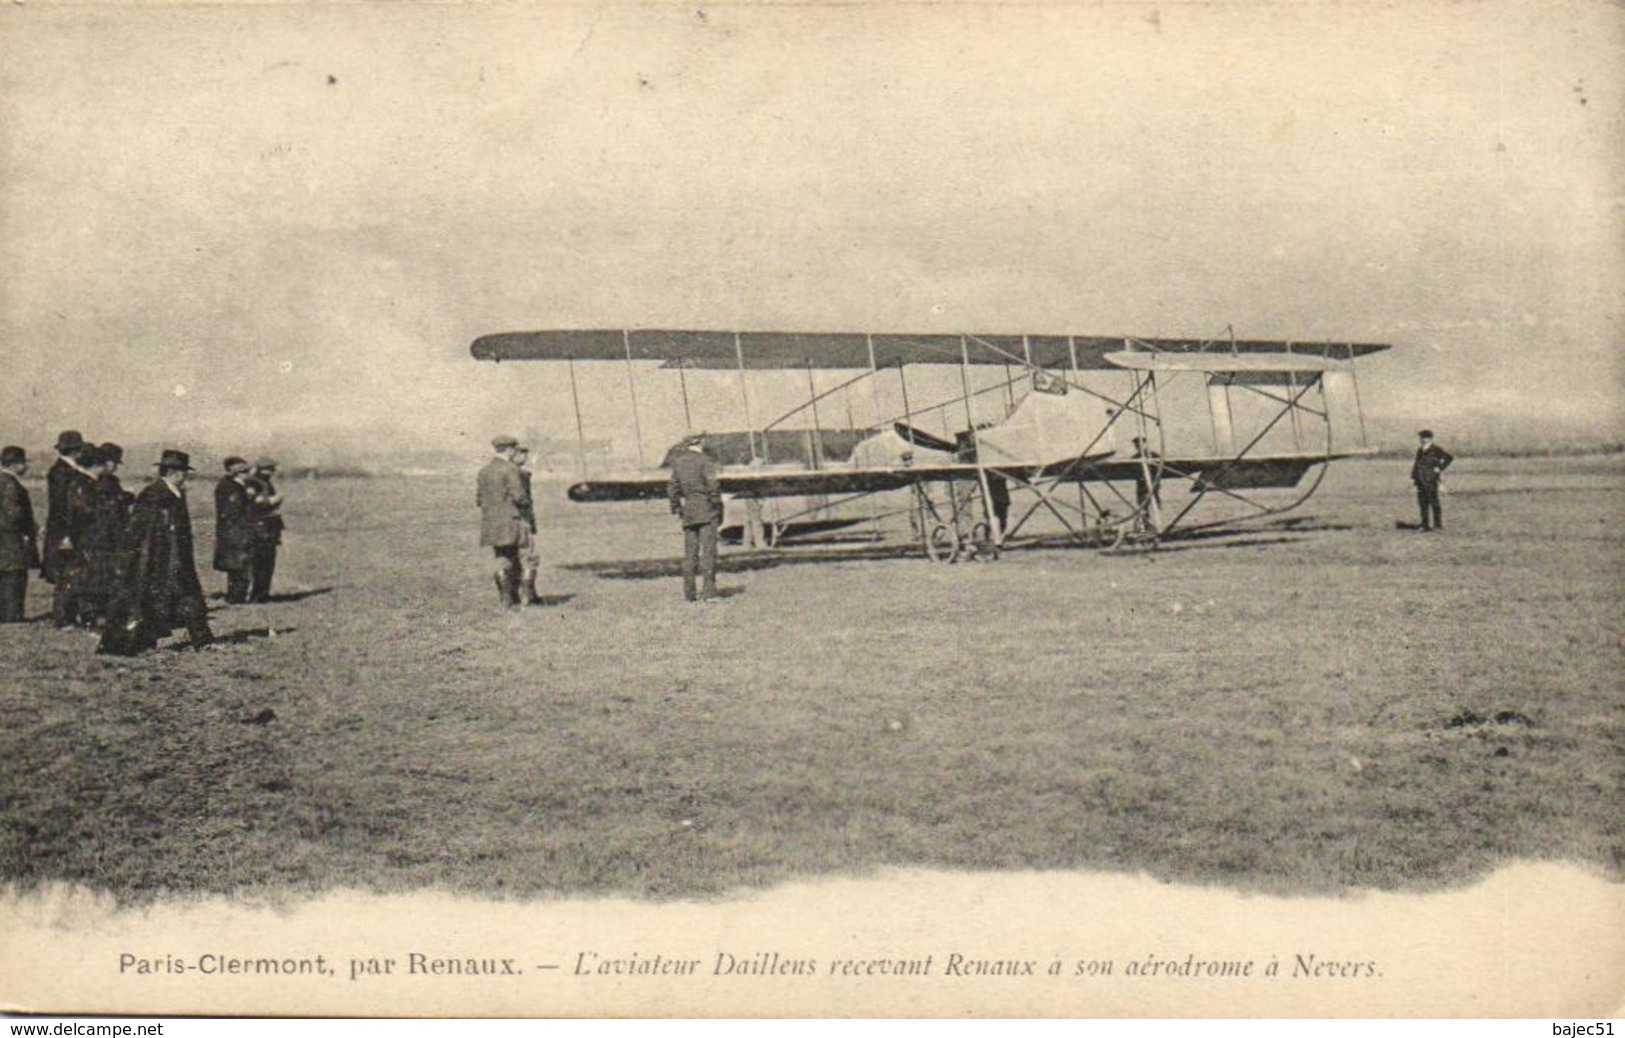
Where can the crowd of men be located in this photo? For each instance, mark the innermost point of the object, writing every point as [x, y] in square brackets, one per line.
[123, 563]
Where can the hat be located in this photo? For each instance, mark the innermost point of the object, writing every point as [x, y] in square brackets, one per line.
[233, 463]
[70, 440]
[112, 451]
[504, 442]
[693, 438]
[1426, 434]
[91, 455]
[263, 462]
[12, 455]
[175, 460]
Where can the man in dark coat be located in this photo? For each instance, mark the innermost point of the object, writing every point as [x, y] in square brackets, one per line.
[99, 533]
[695, 494]
[234, 531]
[106, 558]
[1427, 471]
[163, 591]
[70, 507]
[19, 535]
[502, 500]
[265, 510]
[68, 446]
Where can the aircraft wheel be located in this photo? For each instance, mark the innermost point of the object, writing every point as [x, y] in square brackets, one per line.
[941, 544]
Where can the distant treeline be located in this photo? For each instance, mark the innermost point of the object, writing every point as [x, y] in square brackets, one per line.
[1536, 450]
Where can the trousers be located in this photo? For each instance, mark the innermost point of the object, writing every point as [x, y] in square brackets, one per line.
[700, 558]
[13, 590]
[264, 568]
[1427, 500]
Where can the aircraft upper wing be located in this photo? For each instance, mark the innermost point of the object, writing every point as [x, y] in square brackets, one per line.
[768, 350]
[1260, 472]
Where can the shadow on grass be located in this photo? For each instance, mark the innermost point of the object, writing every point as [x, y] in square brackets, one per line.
[286, 596]
[1251, 536]
[550, 601]
[237, 637]
[299, 596]
[652, 569]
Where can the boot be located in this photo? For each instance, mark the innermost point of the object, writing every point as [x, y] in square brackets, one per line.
[508, 589]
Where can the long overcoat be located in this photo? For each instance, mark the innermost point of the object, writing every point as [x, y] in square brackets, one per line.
[103, 542]
[19, 533]
[234, 527]
[58, 481]
[500, 493]
[162, 577]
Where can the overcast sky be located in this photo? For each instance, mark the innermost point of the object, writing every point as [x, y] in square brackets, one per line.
[233, 223]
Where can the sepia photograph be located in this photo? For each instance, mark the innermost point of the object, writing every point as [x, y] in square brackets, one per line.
[1070, 510]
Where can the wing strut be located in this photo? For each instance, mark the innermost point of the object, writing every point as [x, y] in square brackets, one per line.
[744, 392]
[995, 534]
[581, 436]
[632, 387]
[682, 384]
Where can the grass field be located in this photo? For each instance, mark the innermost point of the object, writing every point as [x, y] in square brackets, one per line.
[1326, 706]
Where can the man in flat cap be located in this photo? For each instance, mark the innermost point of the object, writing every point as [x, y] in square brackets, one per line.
[162, 591]
[1427, 472]
[502, 499]
[234, 530]
[265, 510]
[695, 494]
[69, 503]
[19, 535]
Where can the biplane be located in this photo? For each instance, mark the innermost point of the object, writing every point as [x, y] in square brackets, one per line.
[1021, 432]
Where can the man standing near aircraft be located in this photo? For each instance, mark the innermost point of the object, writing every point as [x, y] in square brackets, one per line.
[500, 494]
[19, 550]
[696, 498]
[1427, 472]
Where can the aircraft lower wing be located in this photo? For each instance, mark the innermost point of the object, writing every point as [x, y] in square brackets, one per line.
[787, 483]
[1278, 471]
[1263, 472]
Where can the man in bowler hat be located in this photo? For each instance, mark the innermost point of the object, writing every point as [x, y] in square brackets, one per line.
[163, 591]
[19, 535]
[234, 532]
[695, 494]
[502, 500]
[1427, 472]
